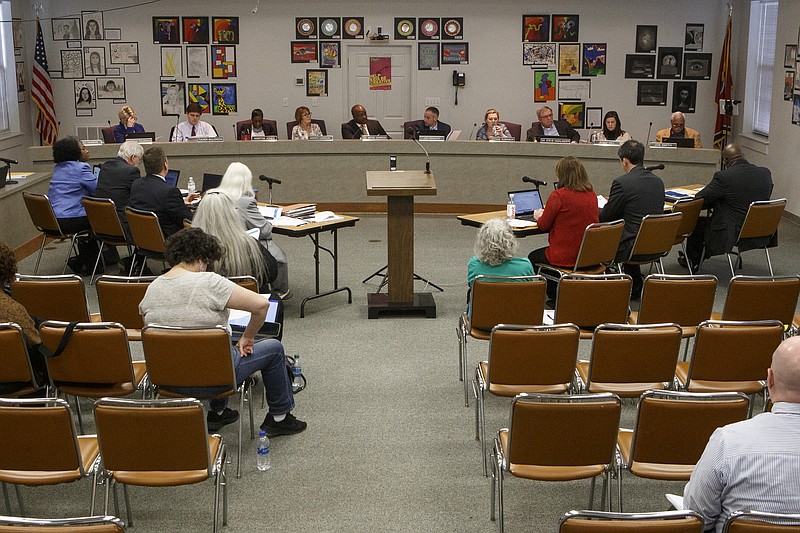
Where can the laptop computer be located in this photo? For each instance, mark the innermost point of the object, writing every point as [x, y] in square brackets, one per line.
[141, 136]
[210, 181]
[682, 142]
[526, 202]
[172, 177]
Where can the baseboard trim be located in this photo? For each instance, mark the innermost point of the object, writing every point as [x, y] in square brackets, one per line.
[30, 247]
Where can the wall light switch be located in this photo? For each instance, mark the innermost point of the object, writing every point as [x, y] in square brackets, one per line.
[285, 102]
[313, 102]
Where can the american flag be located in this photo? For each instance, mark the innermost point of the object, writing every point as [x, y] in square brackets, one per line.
[722, 127]
[42, 92]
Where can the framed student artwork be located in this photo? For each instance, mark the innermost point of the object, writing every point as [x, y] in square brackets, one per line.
[124, 53]
[304, 51]
[316, 82]
[569, 59]
[225, 30]
[694, 37]
[111, 88]
[429, 29]
[353, 27]
[166, 30]
[195, 30]
[66, 29]
[428, 56]
[539, 55]
[305, 27]
[223, 99]
[94, 61]
[572, 89]
[452, 28]
[696, 66]
[684, 96]
[788, 84]
[330, 27]
[594, 59]
[646, 39]
[565, 28]
[223, 62]
[651, 93]
[640, 66]
[171, 62]
[92, 25]
[535, 28]
[329, 52]
[594, 117]
[200, 94]
[85, 94]
[544, 89]
[173, 98]
[669, 62]
[72, 64]
[455, 53]
[405, 28]
[573, 112]
[196, 61]
[789, 55]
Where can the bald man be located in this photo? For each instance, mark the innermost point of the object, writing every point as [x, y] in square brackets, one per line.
[754, 464]
[729, 195]
[361, 125]
[678, 129]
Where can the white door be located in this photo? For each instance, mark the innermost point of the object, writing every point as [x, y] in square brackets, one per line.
[392, 107]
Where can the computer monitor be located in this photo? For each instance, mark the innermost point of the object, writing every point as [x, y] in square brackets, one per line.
[682, 142]
[172, 177]
[211, 181]
[141, 136]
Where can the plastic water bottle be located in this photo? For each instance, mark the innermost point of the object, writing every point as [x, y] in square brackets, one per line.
[511, 209]
[297, 379]
[262, 449]
[191, 187]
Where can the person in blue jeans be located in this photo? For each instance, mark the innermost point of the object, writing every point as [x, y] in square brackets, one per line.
[190, 294]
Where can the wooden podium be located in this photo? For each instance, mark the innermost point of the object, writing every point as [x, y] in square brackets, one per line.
[400, 187]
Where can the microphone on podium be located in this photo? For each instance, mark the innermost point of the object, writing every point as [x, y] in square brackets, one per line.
[469, 137]
[427, 155]
[660, 166]
[648, 133]
[534, 181]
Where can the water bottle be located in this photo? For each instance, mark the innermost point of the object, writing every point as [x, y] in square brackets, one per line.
[297, 379]
[191, 187]
[511, 209]
[262, 449]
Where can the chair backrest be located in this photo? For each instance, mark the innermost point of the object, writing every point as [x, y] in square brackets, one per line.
[103, 218]
[52, 297]
[684, 300]
[171, 133]
[762, 298]
[249, 122]
[506, 300]
[41, 213]
[514, 129]
[119, 297]
[605, 522]
[292, 123]
[761, 522]
[108, 135]
[247, 282]
[690, 208]
[599, 244]
[762, 218]
[656, 234]
[83, 524]
[409, 126]
[609, 295]
[146, 232]
[16, 367]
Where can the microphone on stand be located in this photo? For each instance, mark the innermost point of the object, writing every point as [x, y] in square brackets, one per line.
[427, 156]
[537, 183]
[648, 133]
[9, 161]
[413, 132]
[270, 181]
[469, 137]
[593, 135]
[655, 167]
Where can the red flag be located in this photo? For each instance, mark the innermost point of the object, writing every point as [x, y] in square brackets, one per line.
[724, 85]
[42, 92]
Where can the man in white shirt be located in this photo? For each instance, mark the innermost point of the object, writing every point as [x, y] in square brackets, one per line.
[193, 127]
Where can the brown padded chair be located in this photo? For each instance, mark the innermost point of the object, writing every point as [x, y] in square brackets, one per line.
[762, 220]
[119, 297]
[83, 524]
[557, 438]
[43, 217]
[761, 298]
[597, 251]
[514, 129]
[605, 522]
[106, 226]
[690, 208]
[489, 305]
[671, 431]
[53, 297]
[292, 123]
[146, 235]
[159, 443]
[629, 360]
[16, 372]
[248, 282]
[108, 135]
[761, 522]
[655, 238]
[610, 296]
[536, 359]
[41, 447]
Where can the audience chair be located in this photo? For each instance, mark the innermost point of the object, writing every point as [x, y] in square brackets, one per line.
[690, 208]
[655, 238]
[195, 358]
[497, 300]
[533, 359]
[597, 251]
[17, 377]
[84, 524]
[53, 297]
[249, 122]
[108, 135]
[609, 295]
[605, 522]
[761, 222]
[119, 297]
[514, 129]
[41, 447]
[761, 298]
[159, 443]
[147, 237]
[557, 438]
[106, 226]
[628, 360]
[43, 217]
[292, 123]
[761, 522]
[671, 431]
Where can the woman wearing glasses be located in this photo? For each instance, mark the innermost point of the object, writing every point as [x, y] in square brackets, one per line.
[305, 128]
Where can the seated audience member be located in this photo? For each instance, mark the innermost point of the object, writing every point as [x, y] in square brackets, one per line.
[304, 127]
[431, 122]
[678, 129]
[193, 127]
[117, 175]
[205, 301]
[754, 464]
[361, 125]
[257, 129]
[568, 211]
[492, 127]
[547, 127]
[127, 124]
[237, 183]
[495, 247]
[612, 129]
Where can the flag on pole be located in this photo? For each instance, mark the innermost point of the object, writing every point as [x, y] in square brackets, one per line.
[42, 92]
[724, 86]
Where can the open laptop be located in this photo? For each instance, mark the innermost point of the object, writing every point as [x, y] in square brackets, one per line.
[172, 177]
[526, 202]
[141, 136]
[682, 142]
[210, 181]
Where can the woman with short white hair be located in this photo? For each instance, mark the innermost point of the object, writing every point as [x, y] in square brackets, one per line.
[495, 249]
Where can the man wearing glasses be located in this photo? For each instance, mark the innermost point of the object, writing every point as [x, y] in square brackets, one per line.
[679, 130]
[547, 127]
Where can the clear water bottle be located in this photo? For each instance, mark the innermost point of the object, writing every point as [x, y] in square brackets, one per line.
[191, 187]
[262, 449]
[297, 378]
[511, 209]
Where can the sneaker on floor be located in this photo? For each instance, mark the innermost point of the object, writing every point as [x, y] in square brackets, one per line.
[288, 426]
[286, 295]
[218, 421]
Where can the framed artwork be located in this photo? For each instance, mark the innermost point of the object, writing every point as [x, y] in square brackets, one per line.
[92, 25]
[594, 118]
[573, 112]
[112, 34]
[670, 61]
[535, 28]
[166, 30]
[797, 76]
[539, 54]
[428, 56]
[696, 66]
[195, 30]
[684, 96]
[173, 98]
[640, 66]
[305, 27]
[196, 61]
[790, 55]
[788, 84]
[316, 82]
[223, 99]
[574, 89]
[455, 53]
[16, 32]
[646, 39]
[225, 31]
[544, 89]
[68, 29]
[304, 51]
[124, 53]
[353, 27]
[569, 59]
[20, 76]
[565, 28]
[171, 62]
[223, 62]
[651, 93]
[594, 59]
[453, 28]
[796, 109]
[330, 27]
[694, 37]
[429, 29]
[85, 94]
[200, 93]
[72, 64]
[329, 54]
[94, 60]
[405, 28]
[111, 88]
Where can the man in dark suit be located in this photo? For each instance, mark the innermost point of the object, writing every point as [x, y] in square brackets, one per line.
[430, 122]
[117, 176]
[361, 125]
[633, 195]
[548, 127]
[151, 193]
[729, 195]
[257, 127]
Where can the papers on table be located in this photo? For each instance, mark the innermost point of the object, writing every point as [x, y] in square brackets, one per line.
[239, 319]
[270, 211]
[288, 222]
[601, 201]
[324, 216]
[517, 223]
[20, 175]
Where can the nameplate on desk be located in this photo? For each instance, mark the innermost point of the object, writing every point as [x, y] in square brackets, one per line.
[501, 139]
[554, 140]
[374, 137]
[93, 142]
[431, 138]
[606, 143]
[207, 139]
[321, 138]
[265, 138]
[654, 144]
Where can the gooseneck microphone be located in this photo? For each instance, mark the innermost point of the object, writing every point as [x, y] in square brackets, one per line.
[413, 132]
[262, 177]
[655, 167]
[650, 129]
[537, 183]
[427, 156]
[9, 161]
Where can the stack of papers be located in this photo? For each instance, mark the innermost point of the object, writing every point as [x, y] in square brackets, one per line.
[270, 211]
[299, 210]
[324, 216]
[517, 223]
[288, 222]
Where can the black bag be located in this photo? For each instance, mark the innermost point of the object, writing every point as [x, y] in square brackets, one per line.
[271, 264]
[290, 364]
[45, 351]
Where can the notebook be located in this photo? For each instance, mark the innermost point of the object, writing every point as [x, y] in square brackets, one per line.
[526, 202]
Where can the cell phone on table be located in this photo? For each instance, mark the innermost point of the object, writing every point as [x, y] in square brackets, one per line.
[392, 162]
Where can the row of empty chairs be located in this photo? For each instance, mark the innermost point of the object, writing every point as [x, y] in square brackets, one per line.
[676, 522]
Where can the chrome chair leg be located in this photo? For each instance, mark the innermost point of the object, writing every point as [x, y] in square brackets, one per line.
[39, 258]
[20, 501]
[769, 262]
[127, 505]
[7, 498]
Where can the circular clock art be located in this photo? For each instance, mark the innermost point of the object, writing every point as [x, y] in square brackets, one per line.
[329, 27]
[405, 28]
[352, 27]
[452, 27]
[430, 27]
[305, 27]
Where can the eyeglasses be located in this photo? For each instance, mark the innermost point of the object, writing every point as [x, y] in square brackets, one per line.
[681, 124]
[305, 114]
[547, 116]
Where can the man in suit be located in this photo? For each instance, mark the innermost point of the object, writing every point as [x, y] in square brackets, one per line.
[151, 193]
[633, 195]
[729, 195]
[678, 129]
[548, 127]
[117, 176]
[257, 129]
[192, 127]
[361, 125]
[430, 122]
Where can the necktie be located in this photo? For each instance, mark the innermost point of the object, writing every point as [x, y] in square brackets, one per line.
[194, 132]
[364, 129]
